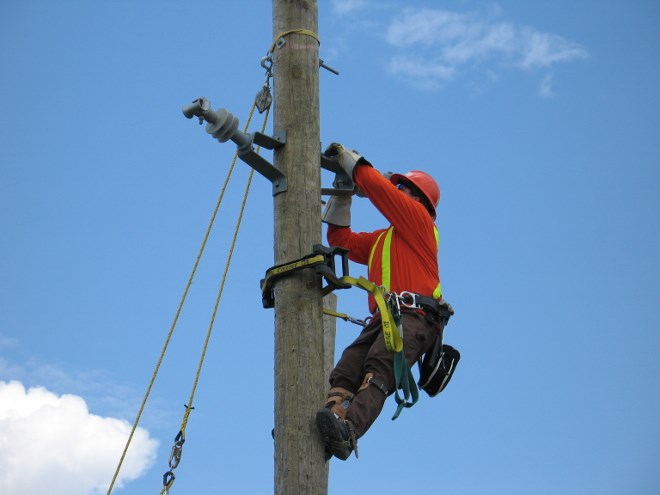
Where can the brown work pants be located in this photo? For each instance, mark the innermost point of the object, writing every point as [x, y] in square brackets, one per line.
[368, 354]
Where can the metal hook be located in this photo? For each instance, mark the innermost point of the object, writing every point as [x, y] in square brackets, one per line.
[267, 63]
[264, 98]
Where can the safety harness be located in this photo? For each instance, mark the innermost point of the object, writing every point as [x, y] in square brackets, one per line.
[322, 260]
[386, 238]
[390, 305]
[403, 376]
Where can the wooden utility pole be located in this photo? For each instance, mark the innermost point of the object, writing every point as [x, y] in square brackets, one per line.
[300, 467]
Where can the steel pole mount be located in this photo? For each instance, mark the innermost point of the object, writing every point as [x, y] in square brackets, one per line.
[223, 125]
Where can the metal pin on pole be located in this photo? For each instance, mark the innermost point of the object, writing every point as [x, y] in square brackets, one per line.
[328, 68]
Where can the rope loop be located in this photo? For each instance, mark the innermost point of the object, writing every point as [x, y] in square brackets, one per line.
[168, 480]
[280, 38]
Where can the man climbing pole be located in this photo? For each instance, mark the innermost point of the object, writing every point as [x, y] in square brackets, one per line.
[403, 259]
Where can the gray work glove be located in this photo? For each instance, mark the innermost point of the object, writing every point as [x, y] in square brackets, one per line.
[338, 211]
[347, 159]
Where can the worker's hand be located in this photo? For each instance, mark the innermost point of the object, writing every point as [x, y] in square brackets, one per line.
[338, 211]
[347, 159]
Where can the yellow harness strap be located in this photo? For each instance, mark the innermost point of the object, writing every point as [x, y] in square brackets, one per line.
[437, 293]
[386, 258]
[393, 340]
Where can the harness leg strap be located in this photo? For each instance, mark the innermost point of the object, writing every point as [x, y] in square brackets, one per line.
[371, 379]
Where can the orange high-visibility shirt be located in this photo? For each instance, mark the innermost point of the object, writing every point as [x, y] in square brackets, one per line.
[413, 243]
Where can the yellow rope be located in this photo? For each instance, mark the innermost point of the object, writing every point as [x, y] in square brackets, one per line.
[305, 32]
[224, 277]
[177, 315]
[184, 421]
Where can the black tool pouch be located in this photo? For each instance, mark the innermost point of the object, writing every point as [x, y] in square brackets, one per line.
[437, 367]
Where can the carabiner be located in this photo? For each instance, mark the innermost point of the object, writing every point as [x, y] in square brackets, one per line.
[168, 479]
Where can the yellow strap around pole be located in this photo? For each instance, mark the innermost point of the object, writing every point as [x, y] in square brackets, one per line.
[294, 265]
[282, 35]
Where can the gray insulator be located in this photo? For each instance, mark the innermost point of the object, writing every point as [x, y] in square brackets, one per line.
[222, 125]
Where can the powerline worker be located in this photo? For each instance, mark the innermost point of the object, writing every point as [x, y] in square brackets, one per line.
[403, 258]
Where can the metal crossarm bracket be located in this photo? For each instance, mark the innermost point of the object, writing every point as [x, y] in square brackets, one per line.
[223, 126]
[260, 164]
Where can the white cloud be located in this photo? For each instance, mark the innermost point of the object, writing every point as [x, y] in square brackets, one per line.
[545, 89]
[438, 43]
[53, 444]
[419, 73]
[543, 49]
[429, 27]
[344, 7]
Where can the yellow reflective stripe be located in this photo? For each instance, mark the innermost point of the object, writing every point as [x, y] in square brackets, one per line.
[385, 273]
[373, 249]
[393, 340]
[437, 293]
[386, 260]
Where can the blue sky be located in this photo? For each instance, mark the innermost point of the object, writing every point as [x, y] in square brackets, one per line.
[540, 121]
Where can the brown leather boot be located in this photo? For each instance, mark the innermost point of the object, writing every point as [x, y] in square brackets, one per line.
[338, 401]
[338, 436]
[333, 426]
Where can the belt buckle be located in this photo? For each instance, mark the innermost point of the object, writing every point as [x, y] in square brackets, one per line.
[408, 299]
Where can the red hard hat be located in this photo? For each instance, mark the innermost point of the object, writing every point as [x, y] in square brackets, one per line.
[425, 183]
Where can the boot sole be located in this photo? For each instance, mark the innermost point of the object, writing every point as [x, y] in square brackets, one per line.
[329, 427]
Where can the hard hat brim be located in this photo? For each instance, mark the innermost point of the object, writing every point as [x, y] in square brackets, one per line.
[401, 178]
